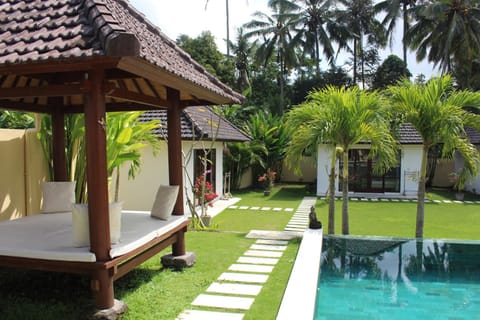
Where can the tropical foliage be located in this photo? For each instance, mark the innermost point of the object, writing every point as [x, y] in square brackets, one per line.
[437, 111]
[447, 33]
[126, 137]
[16, 120]
[342, 118]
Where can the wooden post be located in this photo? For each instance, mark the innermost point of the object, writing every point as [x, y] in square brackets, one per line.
[95, 140]
[175, 160]
[58, 141]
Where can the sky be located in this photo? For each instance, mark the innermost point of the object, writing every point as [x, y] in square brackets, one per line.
[176, 17]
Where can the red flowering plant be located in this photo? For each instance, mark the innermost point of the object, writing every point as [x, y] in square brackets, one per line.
[267, 179]
[203, 191]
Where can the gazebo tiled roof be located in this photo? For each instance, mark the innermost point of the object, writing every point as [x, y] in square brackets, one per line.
[199, 123]
[36, 31]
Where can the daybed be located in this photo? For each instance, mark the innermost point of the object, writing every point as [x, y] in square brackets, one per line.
[46, 243]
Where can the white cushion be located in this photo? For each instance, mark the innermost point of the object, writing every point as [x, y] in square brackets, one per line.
[81, 229]
[58, 196]
[164, 202]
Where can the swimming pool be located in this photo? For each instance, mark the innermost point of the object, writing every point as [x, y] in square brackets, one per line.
[383, 278]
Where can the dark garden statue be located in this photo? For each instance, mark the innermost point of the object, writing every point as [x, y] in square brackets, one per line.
[313, 221]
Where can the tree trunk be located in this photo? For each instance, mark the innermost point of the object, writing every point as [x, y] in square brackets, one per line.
[355, 61]
[405, 29]
[421, 194]
[282, 84]
[331, 195]
[362, 58]
[345, 228]
[317, 54]
[228, 27]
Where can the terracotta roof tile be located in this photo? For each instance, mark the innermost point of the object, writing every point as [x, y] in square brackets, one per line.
[473, 135]
[43, 30]
[197, 124]
[409, 135]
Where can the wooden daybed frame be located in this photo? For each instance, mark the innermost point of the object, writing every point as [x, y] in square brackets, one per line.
[119, 264]
[91, 57]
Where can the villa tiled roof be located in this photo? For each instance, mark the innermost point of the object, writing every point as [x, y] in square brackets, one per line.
[197, 124]
[60, 30]
[407, 134]
[473, 135]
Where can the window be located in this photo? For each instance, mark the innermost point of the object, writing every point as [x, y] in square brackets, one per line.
[362, 178]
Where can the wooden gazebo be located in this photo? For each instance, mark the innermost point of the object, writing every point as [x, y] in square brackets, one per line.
[91, 57]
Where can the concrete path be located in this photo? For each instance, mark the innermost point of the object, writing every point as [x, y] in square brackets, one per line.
[235, 290]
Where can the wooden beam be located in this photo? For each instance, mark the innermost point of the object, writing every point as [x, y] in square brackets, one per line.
[98, 211]
[44, 91]
[175, 159]
[81, 64]
[58, 141]
[138, 97]
[95, 139]
[24, 106]
[189, 103]
[130, 106]
[151, 72]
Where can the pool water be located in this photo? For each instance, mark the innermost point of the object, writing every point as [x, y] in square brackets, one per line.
[379, 278]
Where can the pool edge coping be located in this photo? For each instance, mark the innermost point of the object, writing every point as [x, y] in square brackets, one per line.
[299, 298]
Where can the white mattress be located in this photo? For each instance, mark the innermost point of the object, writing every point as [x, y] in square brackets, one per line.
[49, 236]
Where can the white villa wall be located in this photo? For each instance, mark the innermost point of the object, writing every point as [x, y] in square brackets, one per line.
[473, 184]
[411, 161]
[308, 169]
[411, 157]
[139, 194]
[324, 159]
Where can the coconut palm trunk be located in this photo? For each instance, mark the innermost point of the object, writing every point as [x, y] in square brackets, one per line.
[331, 194]
[345, 224]
[421, 194]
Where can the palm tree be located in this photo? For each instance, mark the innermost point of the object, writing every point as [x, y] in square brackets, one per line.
[315, 21]
[359, 22]
[342, 118]
[227, 16]
[437, 112]
[397, 10]
[243, 51]
[449, 30]
[276, 33]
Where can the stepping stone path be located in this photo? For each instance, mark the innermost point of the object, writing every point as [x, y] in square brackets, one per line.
[234, 291]
[299, 220]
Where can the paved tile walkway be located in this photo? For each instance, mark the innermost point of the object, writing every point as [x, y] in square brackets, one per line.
[234, 291]
[406, 200]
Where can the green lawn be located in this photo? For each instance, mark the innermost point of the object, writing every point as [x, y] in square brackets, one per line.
[287, 196]
[397, 219]
[153, 293]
